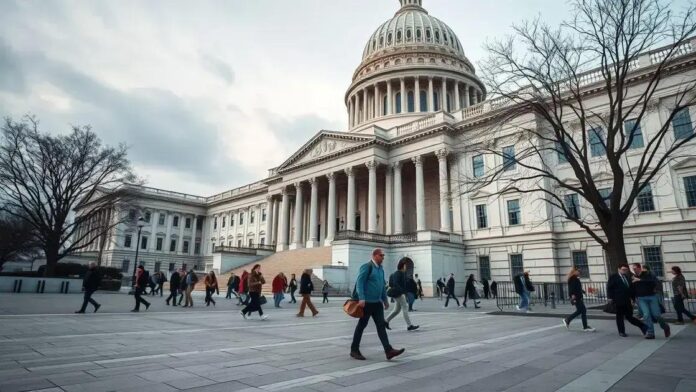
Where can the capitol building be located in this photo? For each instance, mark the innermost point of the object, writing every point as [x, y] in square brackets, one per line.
[395, 177]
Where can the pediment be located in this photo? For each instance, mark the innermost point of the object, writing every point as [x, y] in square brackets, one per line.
[685, 163]
[323, 145]
[480, 195]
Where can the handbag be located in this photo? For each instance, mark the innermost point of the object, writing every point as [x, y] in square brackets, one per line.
[262, 300]
[352, 308]
[609, 307]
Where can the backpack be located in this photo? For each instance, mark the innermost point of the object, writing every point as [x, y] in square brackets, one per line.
[392, 291]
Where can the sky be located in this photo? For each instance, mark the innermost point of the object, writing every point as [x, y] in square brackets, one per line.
[209, 95]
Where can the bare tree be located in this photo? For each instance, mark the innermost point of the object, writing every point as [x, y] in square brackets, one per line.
[574, 94]
[17, 239]
[45, 178]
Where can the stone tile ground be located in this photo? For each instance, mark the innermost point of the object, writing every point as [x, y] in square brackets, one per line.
[44, 346]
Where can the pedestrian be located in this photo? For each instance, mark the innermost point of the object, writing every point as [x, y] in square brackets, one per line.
[211, 286]
[397, 290]
[278, 286]
[292, 287]
[372, 296]
[576, 292]
[325, 291]
[191, 280]
[306, 288]
[90, 284]
[255, 283]
[243, 289]
[645, 285]
[411, 292]
[152, 282]
[470, 291]
[523, 288]
[420, 288]
[620, 292]
[440, 287]
[140, 285]
[486, 288]
[161, 279]
[230, 286]
[449, 290]
[494, 289]
[174, 283]
[680, 294]
[183, 285]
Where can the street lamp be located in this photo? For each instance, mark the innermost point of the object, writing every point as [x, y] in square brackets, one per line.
[140, 224]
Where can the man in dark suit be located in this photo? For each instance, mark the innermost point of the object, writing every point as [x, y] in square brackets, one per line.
[174, 283]
[450, 291]
[621, 292]
[90, 284]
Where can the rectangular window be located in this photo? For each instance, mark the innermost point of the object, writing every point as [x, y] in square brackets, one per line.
[652, 256]
[477, 163]
[125, 265]
[175, 222]
[262, 242]
[199, 224]
[241, 218]
[484, 267]
[159, 243]
[251, 242]
[598, 146]
[158, 265]
[148, 216]
[681, 122]
[127, 241]
[239, 243]
[143, 243]
[605, 194]
[645, 200]
[571, 204]
[481, 216]
[263, 215]
[580, 262]
[632, 128]
[186, 247]
[513, 207]
[172, 267]
[187, 223]
[516, 265]
[172, 246]
[215, 223]
[160, 219]
[232, 220]
[690, 188]
[509, 158]
[560, 153]
[252, 214]
[197, 248]
[224, 220]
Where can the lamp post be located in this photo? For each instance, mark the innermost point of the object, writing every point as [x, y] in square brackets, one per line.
[140, 224]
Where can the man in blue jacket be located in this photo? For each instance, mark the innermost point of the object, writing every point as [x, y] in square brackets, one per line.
[372, 294]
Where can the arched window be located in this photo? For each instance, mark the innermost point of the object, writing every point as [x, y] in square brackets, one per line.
[419, 35]
[384, 105]
[428, 35]
[409, 35]
[437, 36]
[436, 100]
[411, 102]
[381, 41]
[389, 39]
[398, 36]
[423, 101]
[398, 103]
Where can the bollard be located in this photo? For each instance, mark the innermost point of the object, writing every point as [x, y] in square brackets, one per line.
[67, 286]
[553, 300]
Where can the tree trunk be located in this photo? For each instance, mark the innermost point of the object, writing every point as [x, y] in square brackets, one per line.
[51, 261]
[616, 249]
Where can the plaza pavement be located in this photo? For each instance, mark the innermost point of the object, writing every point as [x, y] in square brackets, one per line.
[44, 346]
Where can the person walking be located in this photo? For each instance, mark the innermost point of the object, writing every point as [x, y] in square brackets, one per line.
[211, 286]
[230, 286]
[494, 289]
[621, 292]
[680, 294]
[306, 288]
[576, 292]
[420, 288]
[397, 290]
[325, 292]
[411, 292]
[174, 283]
[486, 288]
[645, 285]
[183, 285]
[243, 289]
[292, 287]
[440, 287]
[191, 280]
[255, 283]
[90, 284]
[372, 296]
[161, 280]
[523, 288]
[470, 291]
[152, 282]
[140, 285]
[278, 286]
[449, 290]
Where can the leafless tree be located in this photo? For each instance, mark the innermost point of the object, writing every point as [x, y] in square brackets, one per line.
[17, 239]
[574, 93]
[45, 178]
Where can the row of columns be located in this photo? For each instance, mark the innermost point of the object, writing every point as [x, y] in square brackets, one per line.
[359, 111]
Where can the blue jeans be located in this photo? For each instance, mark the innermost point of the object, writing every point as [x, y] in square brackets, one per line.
[411, 299]
[650, 308]
[277, 297]
[524, 300]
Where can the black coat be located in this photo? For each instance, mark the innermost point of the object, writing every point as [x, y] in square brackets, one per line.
[235, 283]
[306, 285]
[411, 286]
[174, 281]
[397, 284]
[527, 283]
[91, 280]
[450, 286]
[293, 284]
[618, 291]
[647, 285]
[575, 287]
[470, 289]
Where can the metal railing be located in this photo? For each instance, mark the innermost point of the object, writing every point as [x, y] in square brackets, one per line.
[374, 237]
[242, 249]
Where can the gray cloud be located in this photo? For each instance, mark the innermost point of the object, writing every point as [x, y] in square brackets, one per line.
[218, 67]
[11, 76]
[295, 131]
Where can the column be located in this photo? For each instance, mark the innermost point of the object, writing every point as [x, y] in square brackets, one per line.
[313, 214]
[444, 95]
[457, 102]
[269, 219]
[445, 223]
[276, 218]
[331, 216]
[372, 197]
[168, 239]
[284, 219]
[194, 231]
[420, 194]
[388, 198]
[404, 108]
[350, 207]
[153, 231]
[350, 112]
[182, 224]
[466, 95]
[416, 96]
[389, 98]
[472, 98]
[297, 239]
[398, 214]
[376, 114]
[364, 101]
[431, 93]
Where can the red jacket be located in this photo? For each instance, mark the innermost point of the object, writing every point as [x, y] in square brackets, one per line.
[278, 285]
[243, 282]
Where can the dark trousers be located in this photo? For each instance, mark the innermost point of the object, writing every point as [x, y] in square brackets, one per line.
[254, 304]
[139, 299]
[451, 295]
[326, 298]
[160, 288]
[182, 291]
[486, 292]
[625, 311]
[580, 310]
[209, 295]
[172, 296]
[376, 311]
[229, 292]
[88, 298]
[680, 309]
[410, 298]
[292, 297]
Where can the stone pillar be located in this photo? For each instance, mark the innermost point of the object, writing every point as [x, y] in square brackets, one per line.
[180, 243]
[350, 112]
[350, 207]
[372, 197]
[431, 95]
[376, 109]
[472, 98]
[365, 116]
[444, 95]
[388, 200]
[194, 231]
[404, 108]
[398, 213]
[466, 95]
[445, 223]
[297, 238]
[283, 221]
[420, 194]
[153, 231]
[457, 101]
[313, 214]
[416, 96]
[389, 98]
[168, 239]
[269, 219]
[331, 216]
[357, 109]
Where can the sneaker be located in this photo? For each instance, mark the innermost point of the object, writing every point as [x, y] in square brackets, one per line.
[412, 327]
[517, 307]
[243, 315]
[78, 312]
[264, 317]
[96, 307]
[565, 324]
[135, 310]
[623, 335]
[650, 337]
[588, 329]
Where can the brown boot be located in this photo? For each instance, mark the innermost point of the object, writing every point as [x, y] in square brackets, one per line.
[394, 353]
[357, 355]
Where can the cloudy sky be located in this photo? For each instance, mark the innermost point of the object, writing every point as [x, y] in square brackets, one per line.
[208, 94]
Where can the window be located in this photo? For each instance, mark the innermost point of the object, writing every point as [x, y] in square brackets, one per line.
[682, 124]
[262, 241]
[158, 244]
[172, 267]
[215, 223]
[580, 262]
[125, 265]
[632, 129]
[251, 242]
[252, 214]
[197, 248]
[516, 265]
[690, 188]
[436, 101]
[411, 102]
[477, 162]
[224, 221]
[263, 215]
[239, 243]
[127, 241]
[605, 194]
[143, 243]
[513, 212]
[158, 265]
[231, 220]
[160, 219]
[148, 216]
[448, 104]
[645, 199]
[398, 103]
[384, 105]
[187, 223]
[481, 216]
[652, 257]
[423, 101]
[571, 204]
[560, 153]
[597, 143]
[186, 247]
[175, 221]
[509, 158]
[172, 246]
[241, 218]
[484, 267]
[199, 224]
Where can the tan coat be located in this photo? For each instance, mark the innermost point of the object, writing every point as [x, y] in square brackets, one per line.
[256, 281]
